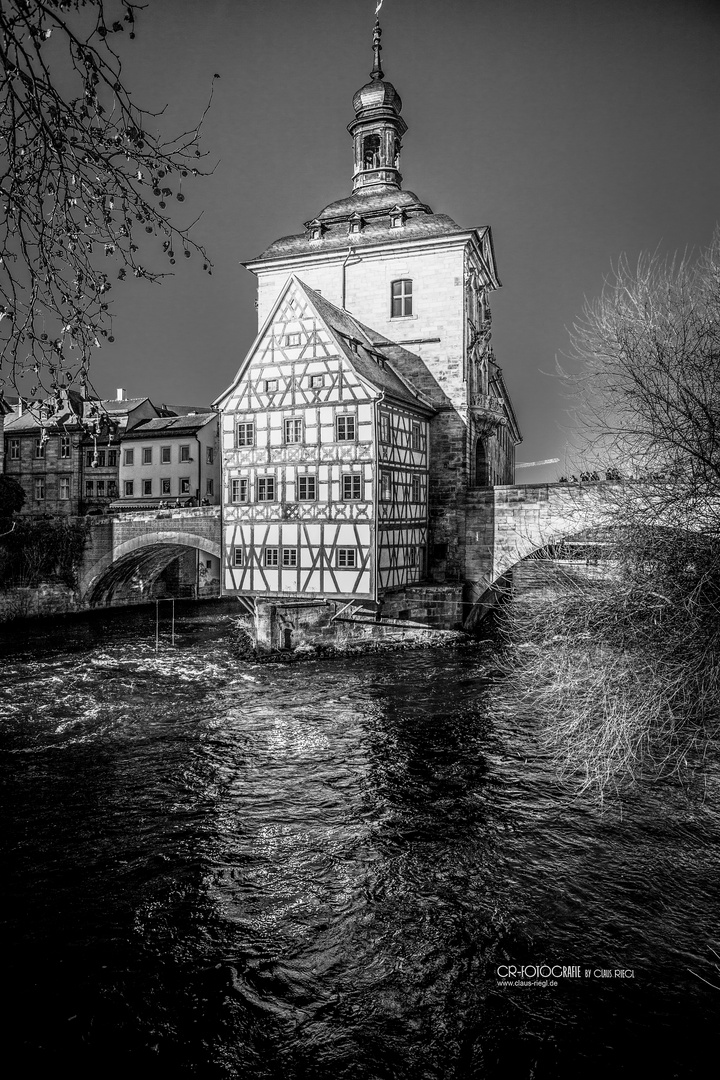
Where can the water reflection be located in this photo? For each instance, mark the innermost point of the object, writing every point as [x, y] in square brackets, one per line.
[315, 871]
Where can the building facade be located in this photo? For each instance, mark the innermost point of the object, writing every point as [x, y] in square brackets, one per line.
[377, 288]
[170, 460]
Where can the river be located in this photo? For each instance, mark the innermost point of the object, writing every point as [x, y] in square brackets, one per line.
[328, 870]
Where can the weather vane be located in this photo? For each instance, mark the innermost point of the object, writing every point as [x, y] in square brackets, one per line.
[377, 9]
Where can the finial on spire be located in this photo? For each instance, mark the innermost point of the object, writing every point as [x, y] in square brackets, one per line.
[377, 71]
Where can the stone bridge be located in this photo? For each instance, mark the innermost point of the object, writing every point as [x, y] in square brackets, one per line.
[138, 556]
[503, 525]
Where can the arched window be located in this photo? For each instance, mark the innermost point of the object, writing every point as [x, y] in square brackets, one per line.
[371, 152]
[482, 477]
[401, 297]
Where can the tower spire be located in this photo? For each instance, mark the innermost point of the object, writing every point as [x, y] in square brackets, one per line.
[377, 71]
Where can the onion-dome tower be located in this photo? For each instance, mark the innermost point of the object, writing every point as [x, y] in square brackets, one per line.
[377, 129]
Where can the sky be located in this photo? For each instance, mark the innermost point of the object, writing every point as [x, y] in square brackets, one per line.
[578, 131]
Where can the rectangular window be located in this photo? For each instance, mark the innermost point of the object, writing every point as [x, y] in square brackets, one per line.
[165, 457]
[384, 427]
[292, 339]
[347, 558]
[271, 386]
[184, 485]
[307, 488]
[165, 486]
[112, 489]
[415, 489]
[64, 448]
[245, 434]
[345, 428]
[185, 453]
[266, 488]
[385, 485]
[209, 455]
[147, 487]
[64, 488]
[101, 489]
[239, 490]
[14, 449]
[89, 458]
[112, 459]
[40, 487]
[415, 436]
[238, 556]
[289, 557]
[317, 381]
[209, 487]
[401, 298]
[147, 455]
[40, 449]
[129, 457]
[271, 556]
[293, 431]
[129, 488]
[410, 556]
[89, 489]
[352, 486]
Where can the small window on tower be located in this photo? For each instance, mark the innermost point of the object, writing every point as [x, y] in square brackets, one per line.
[371, 152]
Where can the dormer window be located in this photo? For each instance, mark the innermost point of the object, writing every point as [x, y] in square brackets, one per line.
[356, 223]
[316, 229]
[371, 152]
[401, 297]
[397, 217]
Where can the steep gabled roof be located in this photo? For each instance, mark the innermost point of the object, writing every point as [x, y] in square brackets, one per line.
[353, 341]
[170, 425]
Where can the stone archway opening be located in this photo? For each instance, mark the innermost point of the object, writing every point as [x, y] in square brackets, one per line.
[149, 573]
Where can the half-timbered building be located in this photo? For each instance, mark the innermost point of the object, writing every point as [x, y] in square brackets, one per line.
[371, 403]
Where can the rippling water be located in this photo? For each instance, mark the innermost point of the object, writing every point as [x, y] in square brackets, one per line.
[216, 869]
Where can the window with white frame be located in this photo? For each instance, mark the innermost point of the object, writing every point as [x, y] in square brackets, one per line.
[165, 455]
[40, 449]
[165, 486]
[346, 558]
[345, 428]
[184, 485]
[185, 453]
[245, 434]
[14, 449]
[293, 430]
[289, 557]
[306, 488]
[401, 294]
[271, 556]
[147, 487]
[129, 488]
[239, 490]
[238, 556]
[129, 457]
[265, 488]
[147, 455]
[292, 339]
[65, 447]
[352, 486]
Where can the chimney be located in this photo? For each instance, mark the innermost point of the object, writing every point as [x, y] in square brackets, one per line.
[121, 394]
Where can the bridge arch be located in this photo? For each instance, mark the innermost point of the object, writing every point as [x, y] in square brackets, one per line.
[144, 557]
